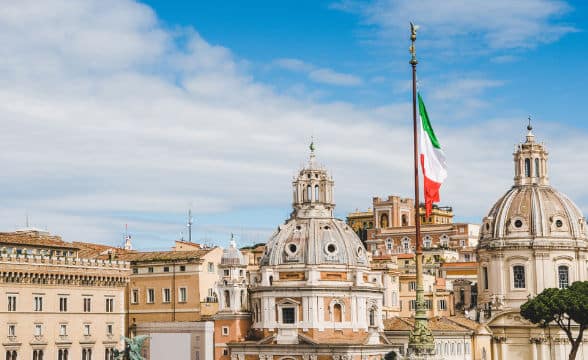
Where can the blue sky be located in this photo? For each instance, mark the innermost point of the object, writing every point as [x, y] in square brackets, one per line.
[119, 112]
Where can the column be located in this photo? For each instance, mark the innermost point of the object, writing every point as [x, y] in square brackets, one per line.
[534, 351]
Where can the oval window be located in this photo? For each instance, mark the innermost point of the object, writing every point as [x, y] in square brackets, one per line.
[331, 248]
[292, 248]
[518, 223]
[558, 223]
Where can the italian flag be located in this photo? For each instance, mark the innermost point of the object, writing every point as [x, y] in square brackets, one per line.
[432, 159]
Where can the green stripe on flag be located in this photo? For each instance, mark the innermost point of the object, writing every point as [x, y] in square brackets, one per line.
[427, 124]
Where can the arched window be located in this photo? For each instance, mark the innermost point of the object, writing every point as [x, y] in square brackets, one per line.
[227, 297]
[308, 193]
[518, 272]
[271, 280]
[316, 193]
[384, 221]
[537, 167]
[337, 313]
[406, 244]
[404, 220]
[372, 317]
[427, 242]
[527, 167]
[243, 299]
[563, 274]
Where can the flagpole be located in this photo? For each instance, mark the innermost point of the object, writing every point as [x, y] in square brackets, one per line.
[420, 341]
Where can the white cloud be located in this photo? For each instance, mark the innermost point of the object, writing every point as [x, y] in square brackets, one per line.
[106, 120]
[467, 25]
[319, 75]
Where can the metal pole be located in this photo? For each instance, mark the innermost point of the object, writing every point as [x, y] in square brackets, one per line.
[420, 342]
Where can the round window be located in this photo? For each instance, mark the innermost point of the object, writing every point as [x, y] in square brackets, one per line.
[331, 248]
[518, 223]
[292, 248]
[558, 223]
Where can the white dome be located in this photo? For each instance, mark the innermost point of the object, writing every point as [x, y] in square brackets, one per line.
[533, 213]
[313, 242]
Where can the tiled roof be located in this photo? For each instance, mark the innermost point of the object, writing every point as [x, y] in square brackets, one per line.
[164, 255]
[460, 264]
[98, 251]
[451, 323]
[33, 238]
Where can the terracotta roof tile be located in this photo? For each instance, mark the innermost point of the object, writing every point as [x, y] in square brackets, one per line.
[164, 255]
[451, 323]
[34, 238]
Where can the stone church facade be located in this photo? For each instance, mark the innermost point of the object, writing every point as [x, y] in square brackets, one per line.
[533, 238]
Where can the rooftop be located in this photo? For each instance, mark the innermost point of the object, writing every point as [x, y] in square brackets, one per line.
[34, 238]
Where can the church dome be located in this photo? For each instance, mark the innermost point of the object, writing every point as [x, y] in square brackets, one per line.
[532, 211]
[232, 255]
[312, 236]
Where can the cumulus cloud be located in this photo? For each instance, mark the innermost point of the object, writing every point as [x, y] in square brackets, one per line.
[107, 118]
[469, 25]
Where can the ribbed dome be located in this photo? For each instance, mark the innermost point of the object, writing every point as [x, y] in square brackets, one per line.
[528, 211]
[314, 242]
[232, 255]
[532, 212]
[312, 235]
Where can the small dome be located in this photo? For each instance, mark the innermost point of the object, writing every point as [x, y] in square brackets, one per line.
[232, 255]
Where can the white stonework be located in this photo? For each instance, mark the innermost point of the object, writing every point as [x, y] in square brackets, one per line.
[533, 238]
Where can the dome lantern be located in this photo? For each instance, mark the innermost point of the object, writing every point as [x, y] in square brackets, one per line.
[530, 160]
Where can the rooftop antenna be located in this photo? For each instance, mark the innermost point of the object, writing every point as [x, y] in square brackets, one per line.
[190, 222]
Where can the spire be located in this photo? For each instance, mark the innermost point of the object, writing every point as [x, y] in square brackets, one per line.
[312, 160]
[530, 135]
[232, 243]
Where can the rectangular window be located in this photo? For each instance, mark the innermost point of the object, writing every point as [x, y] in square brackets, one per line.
[225, 352]
[412, 286]
[518, 276]
[412, 305]
[86, 329]
[467, 257]
[563, 276]
[11, 330]
[225, 330]
[135, 296]
[166, 269]
[109, 329]
[135, 270]
[442, 304]
[210, 267]
[38, 303]
[226, 272]
[288, 315]
[150, 296]
[62, 329]
[428, 304]
[11, 302]
[38, 330]
[109, 305]
[166, 295]
[150, 269]
[182, 295]
[485, 274]
[62, 304]
[182, 267]
[87, 304]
